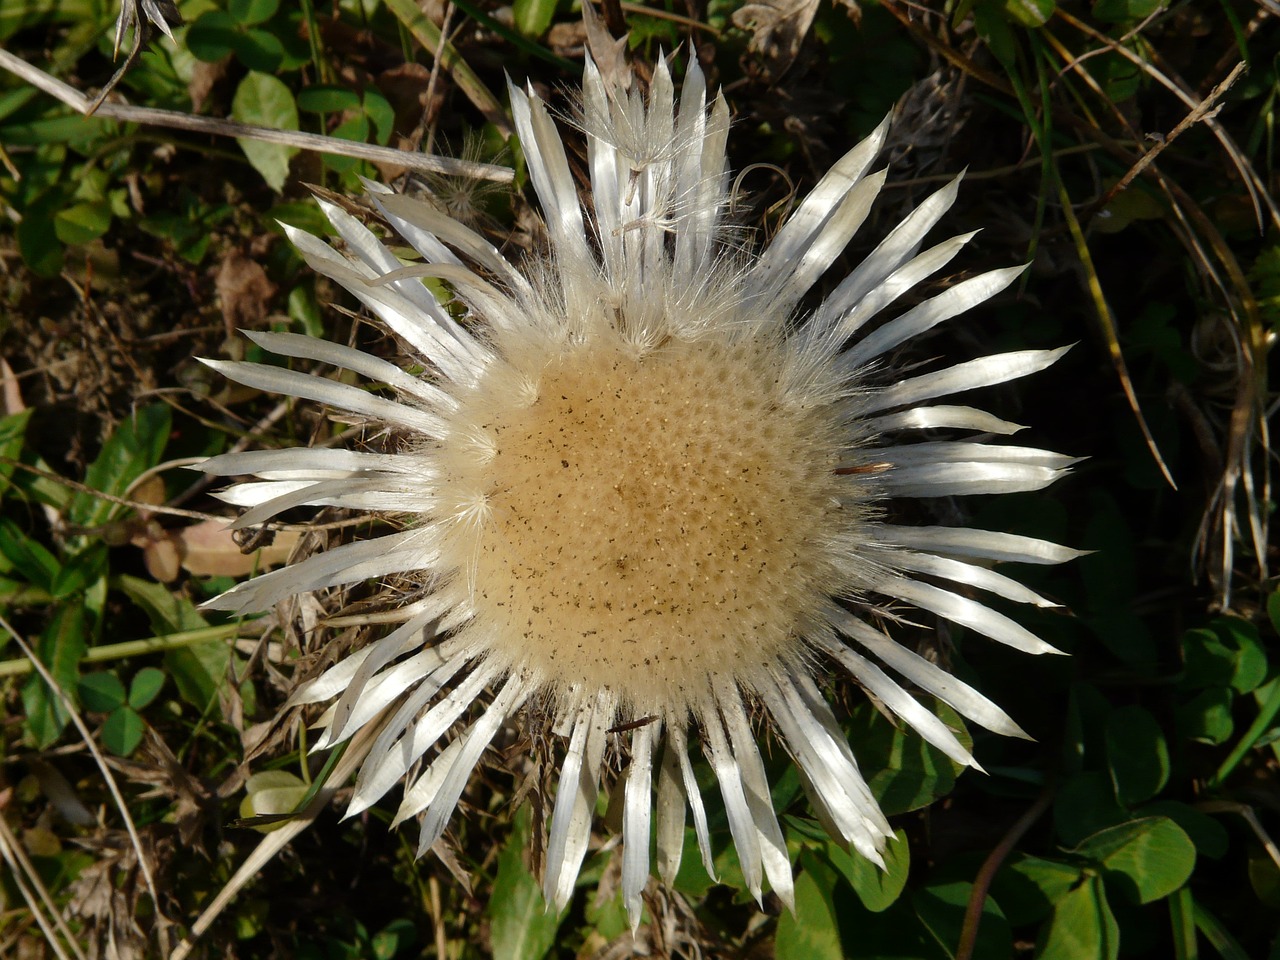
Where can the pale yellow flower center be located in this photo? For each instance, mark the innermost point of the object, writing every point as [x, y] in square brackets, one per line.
[653, 520]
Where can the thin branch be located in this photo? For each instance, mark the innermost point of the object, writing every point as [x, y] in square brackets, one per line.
[173, 119]
[987, 873]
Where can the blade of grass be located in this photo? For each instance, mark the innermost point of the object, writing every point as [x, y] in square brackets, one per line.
[1107, 324]
[1183, 921]
[55, 688]
[1261, 724]
[428, 34]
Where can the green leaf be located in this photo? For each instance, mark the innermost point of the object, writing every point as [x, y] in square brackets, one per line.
[13, 432]
[323, 98]
[1083, 926]
[1207, 716]
[80, 571]
[395, 936]
[1028, 13]
[258, 50]
[27, 556]
[1227, 653]
[198, 672]
[993, 29]
[1121, 11]
[101, 692]
[122, 731]
[941, 908]
[1145, 859]
[876, 888]
[167, 612]
[38, 243]
[910, 773]
[381, 113]
[59, 648]
[1137, 756]
[1085, 804]
[145, 687]
[250, 12]
[521, 926]
[134, 447]
[212, 36]
[264, 100]
[1029, 887]
[1206, 832]
[82, 223]
[811, 933]
[533, 17]
[273, 793]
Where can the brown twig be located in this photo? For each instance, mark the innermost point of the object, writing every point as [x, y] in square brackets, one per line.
[987, 873]
[1202, 111]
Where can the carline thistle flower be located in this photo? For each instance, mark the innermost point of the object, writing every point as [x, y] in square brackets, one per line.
[637, 492]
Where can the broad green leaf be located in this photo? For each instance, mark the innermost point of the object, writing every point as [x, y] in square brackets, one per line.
[1137, 756]
[609, 916]
[391, 939]
[533, 17]
[198, 672]
[1207, 716]
[1083, 926]
[381, 114]
[13, 431]
[1206, 832]
[145, 687]
[122, 731]
[27, 556]
[251, 12]
[1145, 859]
[258, 49]
[167, 612]
[273, 793]
[323, 98]
[811, 933]
[59, 648]
[993, 29]
[521, 926]
[134, 447]
[82, 223]
[910, 773]
[876, 888]
[80, 571]
[1085, 804]
[941, 908]
[1119, 11]
[264, 100]
[38, 240]
[1028, 13]
[1227, 653]
[212, 35]
[692, 880]
[1028, 887]
[101, 692]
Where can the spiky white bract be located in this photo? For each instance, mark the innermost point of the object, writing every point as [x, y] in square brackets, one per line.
[635, 489]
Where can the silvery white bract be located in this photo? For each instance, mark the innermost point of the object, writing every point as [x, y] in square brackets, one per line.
[636, 489]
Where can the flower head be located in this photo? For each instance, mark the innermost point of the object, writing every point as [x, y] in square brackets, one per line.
[635, 489]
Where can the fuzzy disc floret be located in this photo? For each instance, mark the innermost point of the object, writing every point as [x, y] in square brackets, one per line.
[654, 515]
